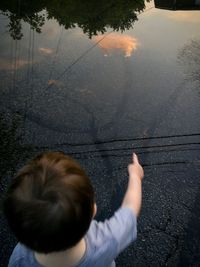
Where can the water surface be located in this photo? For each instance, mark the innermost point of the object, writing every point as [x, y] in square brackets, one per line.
[99, 80]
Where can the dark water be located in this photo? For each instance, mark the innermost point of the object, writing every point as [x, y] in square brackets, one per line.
[99, 80]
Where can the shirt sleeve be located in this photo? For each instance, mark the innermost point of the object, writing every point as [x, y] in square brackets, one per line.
[121, 229]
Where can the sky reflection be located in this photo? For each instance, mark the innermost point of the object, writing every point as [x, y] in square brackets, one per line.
[185, 16]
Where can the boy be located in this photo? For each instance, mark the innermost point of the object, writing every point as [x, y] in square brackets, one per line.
[50, 208]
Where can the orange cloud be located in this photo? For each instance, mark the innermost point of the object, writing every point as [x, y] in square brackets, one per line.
[46, 51]
[116, 41]
[7, 65]
[54, 82]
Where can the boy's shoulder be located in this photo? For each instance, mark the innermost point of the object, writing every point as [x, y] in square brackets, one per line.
[22, 256]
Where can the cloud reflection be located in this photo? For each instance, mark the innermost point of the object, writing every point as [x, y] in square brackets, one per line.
[46, 51]
[54, 82]
[115, 41]
[8, 65]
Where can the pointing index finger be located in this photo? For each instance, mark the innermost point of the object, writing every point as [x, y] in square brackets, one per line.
[135, 158]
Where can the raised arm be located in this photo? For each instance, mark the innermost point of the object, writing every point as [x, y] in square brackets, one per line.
[133, 195]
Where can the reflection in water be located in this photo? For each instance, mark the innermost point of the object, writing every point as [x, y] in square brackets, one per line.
[55, 82]
[7, 65]
[92, 16]
[115, 41]
[185, 16]
[178, 4]
[46, 51]
[36, 21]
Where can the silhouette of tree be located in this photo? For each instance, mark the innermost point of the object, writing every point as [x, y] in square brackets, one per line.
[178, 5]
[92, 16]
[27, 11]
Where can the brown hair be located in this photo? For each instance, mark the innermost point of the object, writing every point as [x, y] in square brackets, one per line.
[50, 203]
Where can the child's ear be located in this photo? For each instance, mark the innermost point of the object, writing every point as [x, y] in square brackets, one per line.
[95, 210]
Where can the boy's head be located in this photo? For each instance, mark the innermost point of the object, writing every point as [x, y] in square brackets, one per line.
[50, 203]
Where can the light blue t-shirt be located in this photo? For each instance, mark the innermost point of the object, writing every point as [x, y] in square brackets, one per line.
[104, 241]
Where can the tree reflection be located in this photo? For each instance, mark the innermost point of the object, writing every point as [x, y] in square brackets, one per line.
[92, 16]
[36, 21]
[178, 5]
[22, 11]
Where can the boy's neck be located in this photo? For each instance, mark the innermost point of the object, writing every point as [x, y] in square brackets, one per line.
[67, 258]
